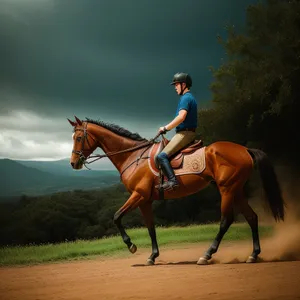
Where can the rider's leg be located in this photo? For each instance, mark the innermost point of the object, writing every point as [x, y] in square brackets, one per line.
[178, 142]
[168, 171]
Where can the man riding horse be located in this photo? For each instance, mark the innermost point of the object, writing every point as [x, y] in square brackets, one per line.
[185, 124]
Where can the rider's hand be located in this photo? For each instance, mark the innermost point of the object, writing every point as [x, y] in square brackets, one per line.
[162, 130]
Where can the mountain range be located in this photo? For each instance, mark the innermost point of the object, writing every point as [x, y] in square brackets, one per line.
[45, 177]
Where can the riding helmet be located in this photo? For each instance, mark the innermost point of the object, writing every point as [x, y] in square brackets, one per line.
[182, 77]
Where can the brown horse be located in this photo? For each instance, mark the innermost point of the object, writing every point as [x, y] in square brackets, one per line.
[228, 164]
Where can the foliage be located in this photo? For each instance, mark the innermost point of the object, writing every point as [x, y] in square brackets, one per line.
[89, 215]
[256, 91]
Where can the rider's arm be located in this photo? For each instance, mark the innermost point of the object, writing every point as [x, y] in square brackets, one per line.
[177, 120]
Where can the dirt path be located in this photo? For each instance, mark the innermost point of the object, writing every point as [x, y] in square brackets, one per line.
[176, 276]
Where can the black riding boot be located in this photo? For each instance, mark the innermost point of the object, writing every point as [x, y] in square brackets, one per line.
[168, 171]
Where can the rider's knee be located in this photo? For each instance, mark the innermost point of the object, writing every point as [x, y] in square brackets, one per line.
[162, 156]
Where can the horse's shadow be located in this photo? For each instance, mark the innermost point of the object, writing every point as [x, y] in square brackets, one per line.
[167, 263]
[217, 262]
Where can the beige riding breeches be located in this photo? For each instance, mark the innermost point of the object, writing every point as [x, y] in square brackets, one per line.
[179, 141]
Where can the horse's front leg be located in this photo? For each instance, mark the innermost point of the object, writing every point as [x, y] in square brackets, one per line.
[146, 210]
[133, 202]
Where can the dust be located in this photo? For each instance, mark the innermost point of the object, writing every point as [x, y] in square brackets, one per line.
[284, 244]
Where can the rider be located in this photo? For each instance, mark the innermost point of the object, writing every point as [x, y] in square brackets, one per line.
[185, 122]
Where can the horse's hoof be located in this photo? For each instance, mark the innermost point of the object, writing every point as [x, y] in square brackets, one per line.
[202, 261]
[132, 248]
[149, 262]
[250, 260]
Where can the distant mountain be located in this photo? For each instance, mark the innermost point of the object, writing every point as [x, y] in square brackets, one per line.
[63, 167]
[48, 177]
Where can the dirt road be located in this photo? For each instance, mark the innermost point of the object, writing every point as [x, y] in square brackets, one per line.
[176, 276]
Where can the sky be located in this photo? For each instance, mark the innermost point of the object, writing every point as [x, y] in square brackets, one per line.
[105, 60]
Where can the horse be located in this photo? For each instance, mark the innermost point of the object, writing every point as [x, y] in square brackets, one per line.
[227, 164]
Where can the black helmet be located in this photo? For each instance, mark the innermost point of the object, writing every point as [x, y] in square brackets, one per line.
[182, 77]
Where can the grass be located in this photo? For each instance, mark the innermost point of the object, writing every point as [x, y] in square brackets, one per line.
[111, 246]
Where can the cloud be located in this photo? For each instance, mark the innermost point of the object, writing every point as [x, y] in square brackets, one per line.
[25, 135]
[109, 60]
[90, 49]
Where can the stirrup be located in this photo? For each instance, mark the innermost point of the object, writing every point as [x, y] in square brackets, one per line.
[168, 185]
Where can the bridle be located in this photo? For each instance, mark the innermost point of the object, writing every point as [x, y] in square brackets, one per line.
[82, 153]
[83, 156]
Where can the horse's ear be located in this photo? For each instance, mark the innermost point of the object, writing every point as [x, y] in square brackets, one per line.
[78, 121]
[72, 123]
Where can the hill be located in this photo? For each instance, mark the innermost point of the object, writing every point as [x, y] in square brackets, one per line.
[62, 167]
[18, 179]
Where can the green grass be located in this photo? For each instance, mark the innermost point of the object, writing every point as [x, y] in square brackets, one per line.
[28, 255]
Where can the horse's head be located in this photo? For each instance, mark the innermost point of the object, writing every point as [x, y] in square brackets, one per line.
[83, 143]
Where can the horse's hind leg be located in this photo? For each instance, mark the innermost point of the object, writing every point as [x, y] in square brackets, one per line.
[252, 219]
[226, 220]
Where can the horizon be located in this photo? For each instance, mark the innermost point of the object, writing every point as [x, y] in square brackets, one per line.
[104, 165]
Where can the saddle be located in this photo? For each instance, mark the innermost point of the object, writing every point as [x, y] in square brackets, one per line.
[176, 160]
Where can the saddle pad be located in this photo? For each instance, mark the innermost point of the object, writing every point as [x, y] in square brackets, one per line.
[193, 163]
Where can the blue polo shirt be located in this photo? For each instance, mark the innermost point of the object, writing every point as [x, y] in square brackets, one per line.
[188, 103]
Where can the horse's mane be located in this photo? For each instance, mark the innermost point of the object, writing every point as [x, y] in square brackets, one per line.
[117, 129]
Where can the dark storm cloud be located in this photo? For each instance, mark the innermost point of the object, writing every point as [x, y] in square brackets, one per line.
[113, 57]
[109, 60]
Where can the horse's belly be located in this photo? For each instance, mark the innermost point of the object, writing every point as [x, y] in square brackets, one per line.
[189, 184]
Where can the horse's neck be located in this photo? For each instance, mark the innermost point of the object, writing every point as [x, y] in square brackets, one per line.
[111, 142]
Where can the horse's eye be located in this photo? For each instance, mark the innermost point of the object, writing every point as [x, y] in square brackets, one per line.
[78, 139]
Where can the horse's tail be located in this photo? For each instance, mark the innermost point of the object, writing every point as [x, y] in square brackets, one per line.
[270, 183]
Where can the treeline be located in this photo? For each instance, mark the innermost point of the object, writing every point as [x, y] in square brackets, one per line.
[256, 91]
[81, 214]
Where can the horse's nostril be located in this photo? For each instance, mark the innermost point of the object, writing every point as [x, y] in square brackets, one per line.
[72, 164]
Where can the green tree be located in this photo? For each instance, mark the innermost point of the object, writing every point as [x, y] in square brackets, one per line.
[256, 91]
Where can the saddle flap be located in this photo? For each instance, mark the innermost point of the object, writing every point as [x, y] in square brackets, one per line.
[177, 161]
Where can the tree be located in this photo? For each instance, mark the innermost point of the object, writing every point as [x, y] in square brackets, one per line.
[256, 91]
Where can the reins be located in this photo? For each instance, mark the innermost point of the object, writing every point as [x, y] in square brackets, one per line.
[96, 157]
[142, 145]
